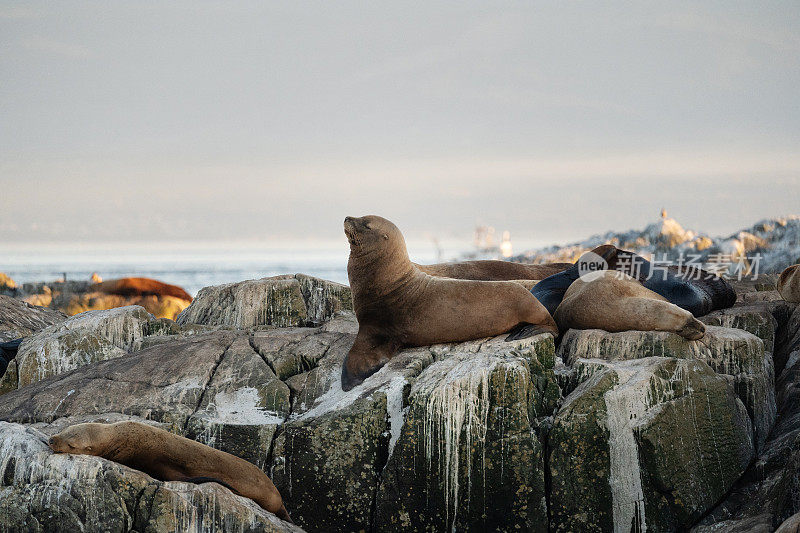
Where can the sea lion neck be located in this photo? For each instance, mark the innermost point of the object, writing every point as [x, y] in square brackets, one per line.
[379, 271]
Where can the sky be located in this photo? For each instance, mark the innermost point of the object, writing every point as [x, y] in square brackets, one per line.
[153, 121]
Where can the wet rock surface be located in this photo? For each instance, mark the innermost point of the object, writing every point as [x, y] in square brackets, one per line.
[607, 432]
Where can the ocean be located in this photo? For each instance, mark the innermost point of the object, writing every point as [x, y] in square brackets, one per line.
[194, 265]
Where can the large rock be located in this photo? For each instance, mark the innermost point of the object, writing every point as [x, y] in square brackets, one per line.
[20, 319]
[281, 301]
[652, 442]
[731, 352]
[83, 339]
[336, 443]
[42, 491]
[468, 456]
[242, 406]
[164, 383]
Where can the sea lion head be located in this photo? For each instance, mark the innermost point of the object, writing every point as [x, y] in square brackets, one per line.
[371, 234]
[86, 439]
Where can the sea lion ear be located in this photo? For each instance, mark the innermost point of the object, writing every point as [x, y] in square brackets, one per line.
[386, 236]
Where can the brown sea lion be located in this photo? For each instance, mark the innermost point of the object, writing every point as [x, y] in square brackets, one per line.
[789, 284]
[140, 287]
[493, 270]
[397, 304]
[614, 301]
[169, 457]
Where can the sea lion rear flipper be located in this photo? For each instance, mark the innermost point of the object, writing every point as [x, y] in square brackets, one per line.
[524, 331]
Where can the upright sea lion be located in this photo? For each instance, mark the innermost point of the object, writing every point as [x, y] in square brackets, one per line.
[140, 287]
[492, 270]
[614, 301]
[789, 284]
[169, 457]
[397, 304]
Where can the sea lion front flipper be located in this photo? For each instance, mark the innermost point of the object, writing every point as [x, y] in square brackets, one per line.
[524, 331]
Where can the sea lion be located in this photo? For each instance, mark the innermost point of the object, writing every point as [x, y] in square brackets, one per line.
[789, 284]
[8, 351]
[493, 270]
[688, 287]
[614, 301]
[397, 304]
[140, 287]
[169, 457]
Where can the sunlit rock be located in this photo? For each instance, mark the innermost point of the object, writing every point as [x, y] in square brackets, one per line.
[281, 301]
[82, 339]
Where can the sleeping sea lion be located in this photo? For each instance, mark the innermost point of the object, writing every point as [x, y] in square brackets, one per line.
[614, 301]
[140, 287]
[490, 270]
[169, 457]
[789, 284]
[397, 304]
[688, 287]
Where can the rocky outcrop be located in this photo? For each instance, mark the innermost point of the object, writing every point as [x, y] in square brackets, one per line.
[645, 444]
[6, 283]
[734, 353]
[73, 297]
[20, 319]
[611, 431]
[775, 241]
[42, 491]
[282, 301]
[82, 339]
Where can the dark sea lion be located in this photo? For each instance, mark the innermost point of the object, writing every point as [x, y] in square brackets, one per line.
[8, 351]
[614, 301]
[789, 284]
[493, 270]
[550, 291]
[140, 287]
[169, 457]
[398, 305]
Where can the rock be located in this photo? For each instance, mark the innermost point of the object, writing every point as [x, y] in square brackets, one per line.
[19, 319]
[754, 318]
[650, 442]
[159, 306]
[282, 301]
[468, 456]
[164, 383]
[73, 297]
[242, 406]
[790, 525]
[6, 283]
[43, 491]
[82, 339]
[730, 352]
[757, 524]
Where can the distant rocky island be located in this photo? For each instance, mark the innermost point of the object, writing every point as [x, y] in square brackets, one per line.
[776, 241]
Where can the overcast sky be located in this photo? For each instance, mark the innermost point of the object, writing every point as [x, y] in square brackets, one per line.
[238, 120]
